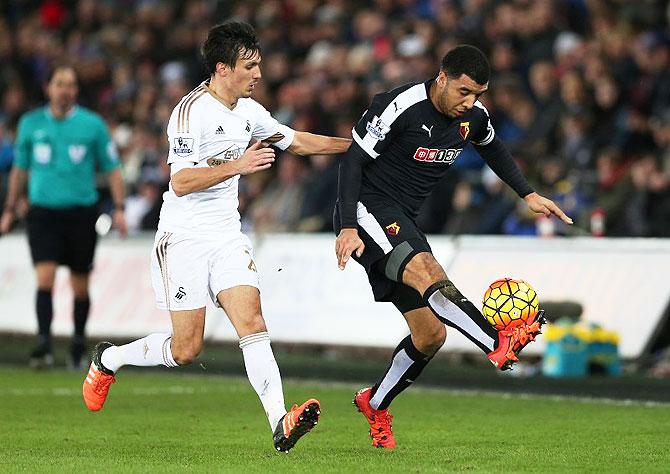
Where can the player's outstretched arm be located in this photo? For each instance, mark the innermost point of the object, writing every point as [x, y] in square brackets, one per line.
[501, 162]
[542, 205]
[305, 143]
[189, 180]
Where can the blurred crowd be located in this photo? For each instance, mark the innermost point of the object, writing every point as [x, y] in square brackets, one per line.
[580, 91]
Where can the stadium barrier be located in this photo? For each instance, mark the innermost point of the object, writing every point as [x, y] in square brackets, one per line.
[620, 284]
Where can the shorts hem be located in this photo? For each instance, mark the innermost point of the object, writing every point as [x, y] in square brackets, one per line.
[165, 307]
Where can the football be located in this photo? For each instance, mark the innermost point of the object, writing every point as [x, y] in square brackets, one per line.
[507, 300]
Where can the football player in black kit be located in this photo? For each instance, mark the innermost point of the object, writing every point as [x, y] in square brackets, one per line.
[403, 145]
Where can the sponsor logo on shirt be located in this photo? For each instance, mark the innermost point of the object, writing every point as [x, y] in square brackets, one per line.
[435, 155]
[377, 128]
[183, 146]
[228, 155]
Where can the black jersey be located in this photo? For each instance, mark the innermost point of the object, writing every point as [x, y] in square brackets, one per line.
[413, 144]
[402, 146]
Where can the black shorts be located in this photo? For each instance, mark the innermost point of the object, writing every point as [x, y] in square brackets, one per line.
[383, 227]
[66, 236]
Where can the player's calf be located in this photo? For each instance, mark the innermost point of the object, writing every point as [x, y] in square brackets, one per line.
[455, 310]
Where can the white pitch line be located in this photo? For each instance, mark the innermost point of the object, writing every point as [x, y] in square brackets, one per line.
[189, 390]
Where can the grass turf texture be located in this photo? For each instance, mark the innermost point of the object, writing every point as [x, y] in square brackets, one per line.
[171, 422]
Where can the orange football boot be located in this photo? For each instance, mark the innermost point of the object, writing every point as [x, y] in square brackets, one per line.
[516, 335]
[98, 380]
[295, 424]
[379, 420]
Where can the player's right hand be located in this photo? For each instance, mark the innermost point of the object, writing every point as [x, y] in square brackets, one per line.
[255, 158]
[346, 243]
[6, 221]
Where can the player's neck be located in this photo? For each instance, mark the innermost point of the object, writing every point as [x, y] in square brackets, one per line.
[219, 90]
[60, 112]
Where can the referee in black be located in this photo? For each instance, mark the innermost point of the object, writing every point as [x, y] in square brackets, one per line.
[402, 146]
[59, 149]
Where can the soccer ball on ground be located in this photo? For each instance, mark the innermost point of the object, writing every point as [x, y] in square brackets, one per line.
[507, 300]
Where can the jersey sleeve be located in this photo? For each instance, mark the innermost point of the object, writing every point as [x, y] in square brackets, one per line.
[22, 145]
[184, 133]
[106, 155]
[485, 134]
[269, 130]
[379, 124]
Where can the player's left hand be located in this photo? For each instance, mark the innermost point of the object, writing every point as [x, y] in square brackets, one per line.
[119, 222]
[347, 242]
[542, 205]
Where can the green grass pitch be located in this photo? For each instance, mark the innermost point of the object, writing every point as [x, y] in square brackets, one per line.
[165, 422]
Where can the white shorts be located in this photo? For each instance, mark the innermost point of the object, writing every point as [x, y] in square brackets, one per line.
[186, 270]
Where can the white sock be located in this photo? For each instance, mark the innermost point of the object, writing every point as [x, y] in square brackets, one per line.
[151, 350]
[264, 375]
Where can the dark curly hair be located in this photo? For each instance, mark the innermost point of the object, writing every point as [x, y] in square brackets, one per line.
[468, 60]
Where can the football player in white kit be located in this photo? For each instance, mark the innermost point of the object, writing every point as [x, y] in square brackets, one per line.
[199, 251]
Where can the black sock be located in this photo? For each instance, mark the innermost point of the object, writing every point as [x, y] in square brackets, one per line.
[406, 365]
[455, 310]
[45, 313]
[81, 309]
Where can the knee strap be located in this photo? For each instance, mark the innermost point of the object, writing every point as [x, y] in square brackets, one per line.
[447, 288]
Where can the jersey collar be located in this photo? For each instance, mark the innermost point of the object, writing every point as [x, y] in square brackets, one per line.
[211, 92]
[68, 115]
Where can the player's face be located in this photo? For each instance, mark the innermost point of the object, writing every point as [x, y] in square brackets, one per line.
[245, 76]
[62, 88]
[457, 96]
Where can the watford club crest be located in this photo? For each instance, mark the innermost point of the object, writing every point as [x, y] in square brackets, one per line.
[464, 129]
[393, 229]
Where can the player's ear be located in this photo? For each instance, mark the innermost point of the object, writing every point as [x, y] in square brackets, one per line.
[222, 69]
[442, 79]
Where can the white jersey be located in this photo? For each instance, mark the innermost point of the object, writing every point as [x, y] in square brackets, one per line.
[204, 131]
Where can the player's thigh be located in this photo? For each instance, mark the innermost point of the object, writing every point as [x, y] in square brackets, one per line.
[232, 264]
[396, 234]
[422, 271]
[188, 329]
[234, 284]
[179, 271]
[242, 305]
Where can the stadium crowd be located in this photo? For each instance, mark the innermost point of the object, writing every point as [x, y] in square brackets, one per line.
[580, 91]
